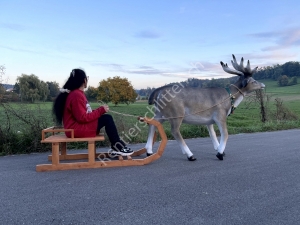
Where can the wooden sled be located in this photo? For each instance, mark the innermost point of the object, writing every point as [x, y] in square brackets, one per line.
[94, 159]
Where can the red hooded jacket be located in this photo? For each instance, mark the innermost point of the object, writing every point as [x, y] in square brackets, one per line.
[79, 116]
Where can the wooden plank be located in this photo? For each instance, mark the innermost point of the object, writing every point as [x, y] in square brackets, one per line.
[63, 148]
[87, 165]
[97, 164]
[78, 156]
[91, 151]
[163, 136]
[151, 158]
[63, 138]
[102, 155]
[139, 152]
[54, 130]
[55, 153]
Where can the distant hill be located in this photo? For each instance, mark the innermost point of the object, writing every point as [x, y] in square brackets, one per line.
[7, 86]
[290, 69]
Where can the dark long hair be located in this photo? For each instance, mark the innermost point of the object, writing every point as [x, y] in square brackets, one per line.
[75, 80]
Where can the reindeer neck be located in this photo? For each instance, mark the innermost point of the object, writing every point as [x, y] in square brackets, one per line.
[236, 88]
[236, 96]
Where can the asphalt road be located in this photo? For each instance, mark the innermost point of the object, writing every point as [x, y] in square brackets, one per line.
[257, 183]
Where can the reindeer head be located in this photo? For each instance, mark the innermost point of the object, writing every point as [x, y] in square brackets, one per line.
[245, 73]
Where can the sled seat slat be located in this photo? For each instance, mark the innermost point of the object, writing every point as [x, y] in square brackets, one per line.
[59, 138]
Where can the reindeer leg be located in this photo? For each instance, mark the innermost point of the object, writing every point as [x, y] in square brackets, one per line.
[149, 143]
[175, 125]
[224, 137]
[213, 136]
[151, 132]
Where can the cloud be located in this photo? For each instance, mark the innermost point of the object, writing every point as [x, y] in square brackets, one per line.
[19, 49]
[279, 55]
[266, 35]
[262, 58]
[203, 70]
[268, 58]
[146, 70]
[145, 67]
[116, 66]
[111, 66]
[149, 34]
[12, 26]
[33, 51]
[283, 39]
[200, 69]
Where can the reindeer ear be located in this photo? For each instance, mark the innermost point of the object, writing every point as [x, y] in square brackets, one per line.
[245, 82]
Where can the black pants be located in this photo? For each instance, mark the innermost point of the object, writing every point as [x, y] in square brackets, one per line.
[107, 121]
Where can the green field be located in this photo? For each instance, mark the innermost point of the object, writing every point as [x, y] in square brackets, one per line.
[26, 120]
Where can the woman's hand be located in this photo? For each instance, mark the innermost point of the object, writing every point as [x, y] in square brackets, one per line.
[106, 108]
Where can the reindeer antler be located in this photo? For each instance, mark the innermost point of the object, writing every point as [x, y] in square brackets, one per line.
[239, 68]
[228, 70]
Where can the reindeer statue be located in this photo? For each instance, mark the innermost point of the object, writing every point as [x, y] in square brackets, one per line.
[201, 106]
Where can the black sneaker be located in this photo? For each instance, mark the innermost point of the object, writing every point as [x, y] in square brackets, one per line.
[124, 151]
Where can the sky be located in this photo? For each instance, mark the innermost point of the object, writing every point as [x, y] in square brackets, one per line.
[151, 43]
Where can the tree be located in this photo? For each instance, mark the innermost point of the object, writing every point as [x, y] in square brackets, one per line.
[283, 81]
[91, 93]
[44, 91]
[293, 81]
[53, 90]
[104, 91]
[31, 88]
[277, 73]
[145, 93]
[16, 88]
[2, 72]
[290, 69]
[2, 89]
[260, 95]
[116, 90]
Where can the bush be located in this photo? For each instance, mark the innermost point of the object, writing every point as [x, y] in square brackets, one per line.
[282, 113]
[293, 81]
[10, 97]
[20, 132]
